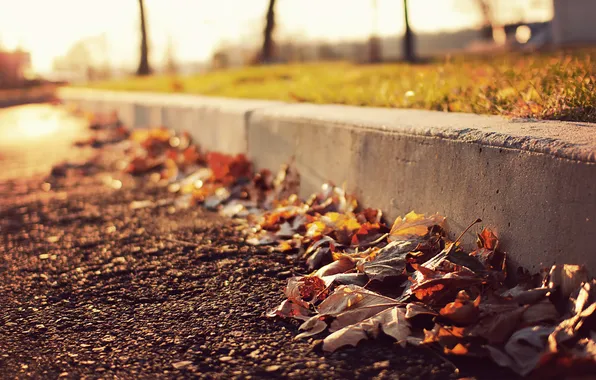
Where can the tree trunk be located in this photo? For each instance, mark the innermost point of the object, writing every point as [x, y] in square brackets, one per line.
[267, 51]
[144, 68]
[374, 42]
[408, 45]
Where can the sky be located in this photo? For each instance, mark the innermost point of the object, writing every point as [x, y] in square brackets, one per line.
[196, 27]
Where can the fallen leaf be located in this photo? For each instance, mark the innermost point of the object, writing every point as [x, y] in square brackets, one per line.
[523, 350]
[414, 309]
[498, 326]
[564, 279]
[348, 305]
[289, 309]
[543, 312]
[391, 321]
[305, 290]
[435, 289]
[390, 261]
[487, 239]
[462, 311]
[413, 225]
[342, 265]
[312, 326]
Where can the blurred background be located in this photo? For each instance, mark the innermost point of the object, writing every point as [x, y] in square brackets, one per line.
[73, 40]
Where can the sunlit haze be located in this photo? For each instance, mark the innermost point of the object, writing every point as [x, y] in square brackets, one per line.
[196, 27]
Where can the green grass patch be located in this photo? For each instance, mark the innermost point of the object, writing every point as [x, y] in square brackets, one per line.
[556, 85]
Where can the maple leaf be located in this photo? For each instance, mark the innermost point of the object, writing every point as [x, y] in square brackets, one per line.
[304, 290]
[348, 305]
[389, 261]
[413, 225]
[391, 321]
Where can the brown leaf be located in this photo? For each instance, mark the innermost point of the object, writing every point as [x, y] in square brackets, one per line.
[444, 336]
[414, 309]
[350, 304]
[390, 261]
[497, 327]
[523, 350]
[391, 321]
[433, 290]
[462, 311]
[370, 215]
[313, 326]
[288, 309]
[305, 290]
[487, 239]
[342, 265]
[541, 312]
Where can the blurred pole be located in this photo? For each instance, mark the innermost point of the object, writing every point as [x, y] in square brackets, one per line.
[144, 68]
[408, 44]
[374, 43]
[267, 51]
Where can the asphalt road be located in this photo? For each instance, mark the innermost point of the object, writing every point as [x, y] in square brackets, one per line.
[90, 288]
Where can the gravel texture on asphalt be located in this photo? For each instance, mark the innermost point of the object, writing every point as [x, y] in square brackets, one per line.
[92, 288]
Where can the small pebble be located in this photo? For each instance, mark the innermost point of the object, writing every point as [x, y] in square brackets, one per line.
[382, 365]
[181, 364]
[272, 368]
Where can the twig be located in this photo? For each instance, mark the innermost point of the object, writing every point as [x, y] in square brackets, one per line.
[466, 230]
[185, 243]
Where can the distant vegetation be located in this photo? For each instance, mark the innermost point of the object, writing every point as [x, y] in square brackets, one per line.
[556, 85]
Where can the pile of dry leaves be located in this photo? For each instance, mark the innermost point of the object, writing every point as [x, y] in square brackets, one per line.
[406, 280]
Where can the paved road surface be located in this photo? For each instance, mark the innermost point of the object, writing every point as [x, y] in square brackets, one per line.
[90, 288]
[35, 137]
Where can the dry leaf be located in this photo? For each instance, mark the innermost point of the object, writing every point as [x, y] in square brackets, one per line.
[540, 313]
[563, 280]
[523, 350]
[391, 321]
[413, 225]
[390, 261]
[288, 309]
[305, 290]
[342, 265]
[462, 311]
[348, 305]
[497, 327]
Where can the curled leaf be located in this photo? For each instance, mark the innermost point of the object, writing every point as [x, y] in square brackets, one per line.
[391, 321]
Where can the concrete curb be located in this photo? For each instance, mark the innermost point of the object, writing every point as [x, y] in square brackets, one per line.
[535, 181]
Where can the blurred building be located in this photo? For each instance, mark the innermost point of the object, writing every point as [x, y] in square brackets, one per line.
[573, 21]
[14, 66]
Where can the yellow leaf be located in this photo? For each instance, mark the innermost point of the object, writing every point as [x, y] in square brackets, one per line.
[413, 225]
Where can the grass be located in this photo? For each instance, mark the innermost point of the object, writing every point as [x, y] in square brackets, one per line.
[556, 85]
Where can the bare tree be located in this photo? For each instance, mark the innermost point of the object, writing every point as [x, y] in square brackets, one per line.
[144, 68]
[408, 45]
[268, 43]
